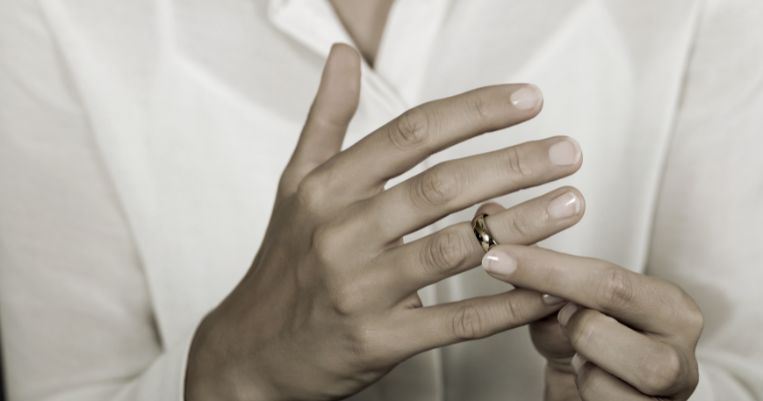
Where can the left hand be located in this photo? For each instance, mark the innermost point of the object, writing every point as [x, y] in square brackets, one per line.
[633, 337]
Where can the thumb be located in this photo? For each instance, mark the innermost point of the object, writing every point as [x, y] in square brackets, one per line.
[330, 114]
[549, 339]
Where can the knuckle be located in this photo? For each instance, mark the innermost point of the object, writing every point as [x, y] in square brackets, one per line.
[326, 245]
[287, 182]
[520, 226]
[616, 288]
[692, 379]
[662, 373]
[310, 193]
[411, 129]
[515, 311]
[581, 330]
[363, 344]
[435, 187]
[479, 108]
[445, 252]
[696, 321]
[690, 314]
[516, 163]
[345, 301]
[468, 323]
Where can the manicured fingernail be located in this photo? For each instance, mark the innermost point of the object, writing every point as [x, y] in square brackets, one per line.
[499, 263]
[566, 313]
[549, 299]
[565, 152]
[563, 206]
[577, 362]
[526, 98]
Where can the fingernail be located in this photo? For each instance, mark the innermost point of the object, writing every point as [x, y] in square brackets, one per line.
[549, 299]
[499, 263]
[566, 313]
[577, 362]
[526, 98]
[565, 152]
[563, 206]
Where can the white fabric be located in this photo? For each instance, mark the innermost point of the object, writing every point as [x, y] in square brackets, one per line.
[141, 141]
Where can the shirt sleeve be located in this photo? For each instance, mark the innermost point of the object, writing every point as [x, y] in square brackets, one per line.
[707, 233]
[77, 321]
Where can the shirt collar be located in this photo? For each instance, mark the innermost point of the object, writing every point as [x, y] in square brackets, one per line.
[313, 23]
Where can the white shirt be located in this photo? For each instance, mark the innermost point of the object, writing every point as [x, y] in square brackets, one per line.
[141, 142]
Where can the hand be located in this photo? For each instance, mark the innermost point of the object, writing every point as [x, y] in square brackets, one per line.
[624, 336]
[330, 304]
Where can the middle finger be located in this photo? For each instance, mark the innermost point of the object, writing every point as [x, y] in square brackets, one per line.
[457, 184]
[455, 249]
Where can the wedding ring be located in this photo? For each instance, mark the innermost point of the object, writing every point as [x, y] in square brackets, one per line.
[482, 233]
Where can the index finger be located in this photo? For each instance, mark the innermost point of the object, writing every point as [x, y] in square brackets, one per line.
[640, 301]
[410, 138]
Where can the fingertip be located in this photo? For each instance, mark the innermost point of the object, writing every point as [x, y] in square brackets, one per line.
[565, 314]
[576, 200]
[343, 47]
[565, 151]
[527, 97]
[344, 57]
[580, 199]
[339, 90]
[505, 261]
[499, 263]
[342, 73]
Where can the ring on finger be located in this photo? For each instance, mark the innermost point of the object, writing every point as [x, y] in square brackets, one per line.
[482, 232]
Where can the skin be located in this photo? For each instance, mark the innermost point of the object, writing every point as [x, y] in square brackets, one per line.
[617, 356]
[364, 21]
[623, 335]
[330, 304]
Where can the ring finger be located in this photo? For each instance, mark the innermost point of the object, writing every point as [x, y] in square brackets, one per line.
[455, 249]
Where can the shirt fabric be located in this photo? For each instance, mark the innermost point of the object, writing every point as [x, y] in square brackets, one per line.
[141, 143]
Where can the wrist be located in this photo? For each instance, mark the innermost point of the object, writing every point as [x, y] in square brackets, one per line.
[215, 372]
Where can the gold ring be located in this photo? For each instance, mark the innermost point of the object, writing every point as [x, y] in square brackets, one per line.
[482, 233]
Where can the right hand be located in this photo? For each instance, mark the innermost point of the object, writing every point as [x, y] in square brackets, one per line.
[330, 303]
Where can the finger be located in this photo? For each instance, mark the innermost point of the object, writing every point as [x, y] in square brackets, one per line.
[455, 249]
[595, 384]
[560, 384]
[551, 342]
[643, 302]
[539, 218]
[410, 138]
[456, 184]
[330, 114]
[444, 324]
[652, 367]
[489, 208]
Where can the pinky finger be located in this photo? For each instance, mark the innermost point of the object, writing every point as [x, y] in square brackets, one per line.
[596, 384]
[471, 319]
